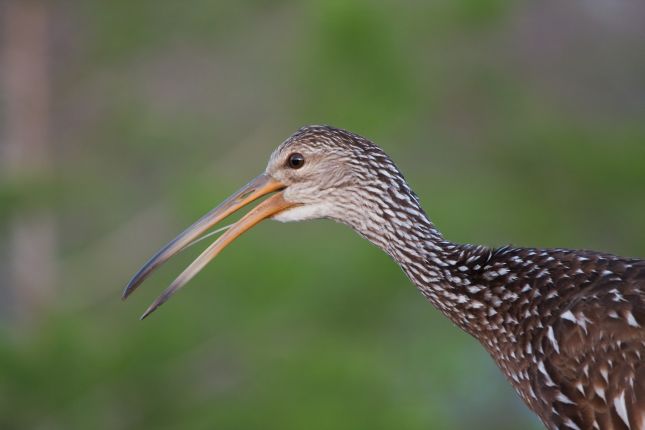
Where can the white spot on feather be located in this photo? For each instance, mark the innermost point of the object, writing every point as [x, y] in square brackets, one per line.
[631, 320]
[476, 304]
[571, 424]
[580, 388]
[600, 392]
[568, 315]
[621, 408]
[551, 337]
[532, 393]
[564, 399]
[542, 369]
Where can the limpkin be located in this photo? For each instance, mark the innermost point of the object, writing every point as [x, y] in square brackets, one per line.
[564, 326]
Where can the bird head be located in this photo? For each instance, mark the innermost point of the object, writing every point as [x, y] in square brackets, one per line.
[322, 170]
[318, 172]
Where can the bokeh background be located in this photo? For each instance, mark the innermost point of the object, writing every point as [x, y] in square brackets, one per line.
[121, 122]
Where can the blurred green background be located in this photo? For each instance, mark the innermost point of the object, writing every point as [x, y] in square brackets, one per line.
[121, 122]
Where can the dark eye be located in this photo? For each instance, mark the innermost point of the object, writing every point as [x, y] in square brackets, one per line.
[296, 160]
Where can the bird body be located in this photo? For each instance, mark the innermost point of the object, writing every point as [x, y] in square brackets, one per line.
[566, 327]
[562, 325]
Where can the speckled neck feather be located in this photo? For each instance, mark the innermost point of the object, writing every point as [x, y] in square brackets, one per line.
[564, 326]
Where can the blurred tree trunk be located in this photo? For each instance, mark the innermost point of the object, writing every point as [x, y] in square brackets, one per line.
[25, 156]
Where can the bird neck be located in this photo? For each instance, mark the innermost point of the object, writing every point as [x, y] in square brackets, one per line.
[445, 274]
[443, 271]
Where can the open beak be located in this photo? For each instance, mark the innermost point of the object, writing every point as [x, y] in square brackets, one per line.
[258, 187]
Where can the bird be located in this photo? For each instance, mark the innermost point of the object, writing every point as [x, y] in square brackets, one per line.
[566, 327]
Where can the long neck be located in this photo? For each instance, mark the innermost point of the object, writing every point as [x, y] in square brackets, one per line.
[440, 269]
[445, 272]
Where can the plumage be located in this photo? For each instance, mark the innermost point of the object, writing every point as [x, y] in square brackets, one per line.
[565, 327]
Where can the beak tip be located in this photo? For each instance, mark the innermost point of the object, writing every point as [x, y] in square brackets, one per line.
[155, 305]
[127, 291]
[133, 284]
[148, 311]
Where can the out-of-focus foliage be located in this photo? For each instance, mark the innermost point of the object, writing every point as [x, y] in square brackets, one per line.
[515, 122]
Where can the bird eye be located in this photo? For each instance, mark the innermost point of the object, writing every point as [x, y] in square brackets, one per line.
[296, 160]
